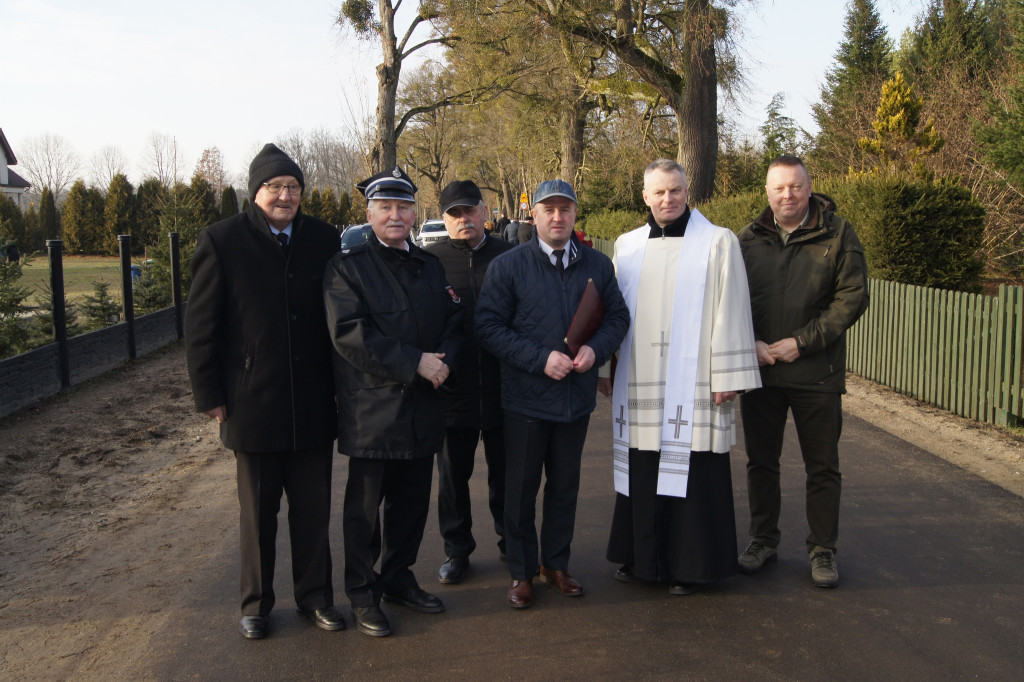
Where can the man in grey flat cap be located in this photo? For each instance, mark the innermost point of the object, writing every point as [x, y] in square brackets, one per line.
[528, 300]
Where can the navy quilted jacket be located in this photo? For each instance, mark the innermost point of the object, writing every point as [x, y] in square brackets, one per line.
[523, 314]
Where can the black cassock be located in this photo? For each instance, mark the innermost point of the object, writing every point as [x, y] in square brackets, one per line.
[691, 539]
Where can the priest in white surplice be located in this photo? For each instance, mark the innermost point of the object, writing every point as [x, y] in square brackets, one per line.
[689, 351]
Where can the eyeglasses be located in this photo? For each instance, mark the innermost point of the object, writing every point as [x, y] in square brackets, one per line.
[275, 189]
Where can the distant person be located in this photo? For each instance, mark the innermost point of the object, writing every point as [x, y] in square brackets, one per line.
[259, 359]
[529, 297]
[396, 325]
[13, 255]
[474, 399]
[512, 233]
[489, 228]
[581, 235]
[526, 230]
[500, 226]
[808, 285]
[689, 351]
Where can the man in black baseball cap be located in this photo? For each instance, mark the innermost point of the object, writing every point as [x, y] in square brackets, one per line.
[474, 400]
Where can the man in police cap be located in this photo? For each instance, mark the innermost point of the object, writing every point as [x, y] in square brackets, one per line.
[396, 325]
[474, 407]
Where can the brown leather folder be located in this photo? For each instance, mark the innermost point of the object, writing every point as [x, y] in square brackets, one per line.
[586, 321]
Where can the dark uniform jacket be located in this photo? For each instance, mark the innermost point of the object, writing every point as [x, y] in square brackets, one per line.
[384, 310]
[523, 314]
[474, 399]
[812, 289]
[255, 334]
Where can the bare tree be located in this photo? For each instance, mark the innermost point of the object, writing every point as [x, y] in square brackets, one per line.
[211, 168]
[163, 160]
[106, 163]
[50, 161]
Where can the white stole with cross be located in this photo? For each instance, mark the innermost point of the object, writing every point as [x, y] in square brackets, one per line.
[683, 350]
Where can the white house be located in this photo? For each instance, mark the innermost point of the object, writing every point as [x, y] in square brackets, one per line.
[11, 184]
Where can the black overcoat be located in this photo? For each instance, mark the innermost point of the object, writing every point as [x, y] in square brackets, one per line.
[255, 334]
[382, 317]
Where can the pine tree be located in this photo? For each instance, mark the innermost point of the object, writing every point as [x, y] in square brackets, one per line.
[152, 289]
[12, 223]
[311, 205]
[13, 336]
[148, 199]
[228, 202]
[33, 236]
[863, 62]
[329, 207]
[100, 309]
[204, 205]
[778, 133]
[49, 220]
[74, 217]
[1002, 139]
[118, 213]
[900, 139]
[40, 326]
[344, 208]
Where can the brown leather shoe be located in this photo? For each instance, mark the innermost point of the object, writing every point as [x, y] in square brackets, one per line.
[520, 594]
[562, 581]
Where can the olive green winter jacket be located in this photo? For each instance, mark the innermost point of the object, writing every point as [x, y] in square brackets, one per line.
[813, 289]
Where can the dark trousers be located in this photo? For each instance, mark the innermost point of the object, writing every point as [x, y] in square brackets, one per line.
[305, 477]
[532, 447]
[403, 486]
[454, 469]
[819, 422]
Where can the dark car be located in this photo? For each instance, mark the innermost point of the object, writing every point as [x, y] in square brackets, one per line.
[355, 235]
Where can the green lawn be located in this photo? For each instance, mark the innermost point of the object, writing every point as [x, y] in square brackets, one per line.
[79, 274]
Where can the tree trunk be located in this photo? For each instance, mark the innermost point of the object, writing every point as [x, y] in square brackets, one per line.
[697, 107]
[574, 121]
[385, 146]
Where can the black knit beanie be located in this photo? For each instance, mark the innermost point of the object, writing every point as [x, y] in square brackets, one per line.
[270, 163]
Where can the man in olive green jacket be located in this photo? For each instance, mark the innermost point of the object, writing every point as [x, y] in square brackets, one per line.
[808, 285]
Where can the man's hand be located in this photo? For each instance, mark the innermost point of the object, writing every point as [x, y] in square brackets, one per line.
[724, 397]
[785, 350]
[764, 357]
[220, 413]
[604, 386]
[433, 369]
[558, 365]
[584, 359]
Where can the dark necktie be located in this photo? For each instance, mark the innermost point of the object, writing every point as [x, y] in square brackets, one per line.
[282, 239]
[559, 265]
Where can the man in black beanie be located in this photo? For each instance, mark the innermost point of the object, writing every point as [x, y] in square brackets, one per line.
[259, 360]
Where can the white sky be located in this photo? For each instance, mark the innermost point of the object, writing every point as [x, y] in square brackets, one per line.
[234, 74]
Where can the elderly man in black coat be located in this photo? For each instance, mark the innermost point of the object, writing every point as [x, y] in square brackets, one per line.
[259, 360]
[396, 326]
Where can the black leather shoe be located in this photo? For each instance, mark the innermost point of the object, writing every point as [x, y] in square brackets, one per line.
[681, 589]
[370, 620]
[416, 599]
[625, 574]
[254, 627]
[452, 571]
[328, 618]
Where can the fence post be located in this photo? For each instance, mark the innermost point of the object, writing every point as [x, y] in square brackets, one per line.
[124, 245]
[176, 283]
[54, 248]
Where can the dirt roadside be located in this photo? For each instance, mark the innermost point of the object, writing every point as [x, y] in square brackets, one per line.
[113, 494]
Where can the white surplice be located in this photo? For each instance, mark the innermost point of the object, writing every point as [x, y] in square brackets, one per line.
[690, 335]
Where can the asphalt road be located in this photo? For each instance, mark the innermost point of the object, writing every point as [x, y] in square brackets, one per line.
[932, 588]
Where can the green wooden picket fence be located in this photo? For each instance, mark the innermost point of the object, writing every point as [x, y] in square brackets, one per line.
[961, 352]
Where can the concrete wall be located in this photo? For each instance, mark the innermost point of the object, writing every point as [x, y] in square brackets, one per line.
[28, 377]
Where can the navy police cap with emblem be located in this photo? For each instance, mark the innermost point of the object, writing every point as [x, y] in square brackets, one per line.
[389, 184]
